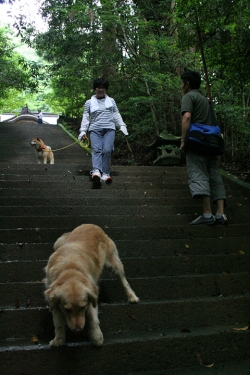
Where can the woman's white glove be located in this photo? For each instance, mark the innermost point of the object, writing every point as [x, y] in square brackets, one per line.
[80, 136]
[123, 128]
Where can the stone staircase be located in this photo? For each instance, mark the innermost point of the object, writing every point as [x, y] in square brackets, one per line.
[193, 282]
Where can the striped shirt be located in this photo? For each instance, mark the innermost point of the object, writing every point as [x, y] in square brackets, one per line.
[101, 118]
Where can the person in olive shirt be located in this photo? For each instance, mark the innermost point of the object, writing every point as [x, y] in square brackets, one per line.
[204, 178]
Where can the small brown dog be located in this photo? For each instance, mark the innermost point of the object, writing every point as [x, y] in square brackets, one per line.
[72, 273]
[43, 152]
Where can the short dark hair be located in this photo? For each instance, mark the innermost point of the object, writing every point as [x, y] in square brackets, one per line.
[194, 78]
[101, 82]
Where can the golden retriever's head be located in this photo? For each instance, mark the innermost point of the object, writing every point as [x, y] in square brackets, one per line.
[72, 298]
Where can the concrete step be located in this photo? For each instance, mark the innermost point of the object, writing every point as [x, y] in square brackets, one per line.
[123, 354]
[71, 208]
[120, 182]
[230, 368]
[145, 220]
[141, 267]
[98, 200]
[65, 176]
[27, 235]
[124, 317]
[136, 248]
[80, 168]
[30, 294]
[104, 191]
[74, 183]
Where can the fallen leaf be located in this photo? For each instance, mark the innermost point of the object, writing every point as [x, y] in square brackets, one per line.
[247, 328]
[200, 361]
[238, 204]
[197, 355]
[186, 246]
[238, 252]
[34, 339]
[225, 272]
[131, 316]
[217, 290]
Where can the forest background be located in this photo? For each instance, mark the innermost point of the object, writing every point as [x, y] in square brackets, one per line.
[142, 47]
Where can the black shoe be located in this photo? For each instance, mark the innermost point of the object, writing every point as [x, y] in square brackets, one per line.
[222, 220]
[202, 220]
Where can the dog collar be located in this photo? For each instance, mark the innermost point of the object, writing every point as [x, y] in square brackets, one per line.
[40, 149]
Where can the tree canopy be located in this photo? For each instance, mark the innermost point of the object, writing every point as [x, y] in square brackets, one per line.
[142, 46]
[17, 75]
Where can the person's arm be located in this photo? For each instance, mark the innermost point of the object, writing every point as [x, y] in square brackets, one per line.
[185, 125]
[119, 123]
[84, 123]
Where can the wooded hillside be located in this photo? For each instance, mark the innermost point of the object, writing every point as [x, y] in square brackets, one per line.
[142, 46]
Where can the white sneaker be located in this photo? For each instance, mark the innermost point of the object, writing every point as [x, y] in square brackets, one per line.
[96, 175]
[106, 177]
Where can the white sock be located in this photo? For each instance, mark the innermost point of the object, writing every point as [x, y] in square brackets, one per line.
[218, 216]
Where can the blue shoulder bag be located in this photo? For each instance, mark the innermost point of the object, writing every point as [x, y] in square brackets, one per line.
[205, 139]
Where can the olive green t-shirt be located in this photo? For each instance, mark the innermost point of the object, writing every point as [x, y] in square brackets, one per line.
[197, 104]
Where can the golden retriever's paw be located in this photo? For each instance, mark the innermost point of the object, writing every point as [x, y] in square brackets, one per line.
[134, 299]
[97, 338]
[55, 343]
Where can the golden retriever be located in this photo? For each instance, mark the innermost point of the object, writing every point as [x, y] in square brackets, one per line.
[43, 152]
[71, 280]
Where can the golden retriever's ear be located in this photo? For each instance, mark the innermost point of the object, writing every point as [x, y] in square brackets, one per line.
[51, 298]
[93, 294]
[92, 298]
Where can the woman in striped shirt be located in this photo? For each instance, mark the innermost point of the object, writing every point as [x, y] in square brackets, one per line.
[101, 118]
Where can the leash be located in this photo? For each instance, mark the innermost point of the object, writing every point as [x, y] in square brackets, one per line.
[86, 145]
[130, 149]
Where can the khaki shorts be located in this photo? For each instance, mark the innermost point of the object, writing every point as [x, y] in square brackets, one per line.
[204, 176]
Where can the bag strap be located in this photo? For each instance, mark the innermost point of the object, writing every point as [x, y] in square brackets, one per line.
[214, 119]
